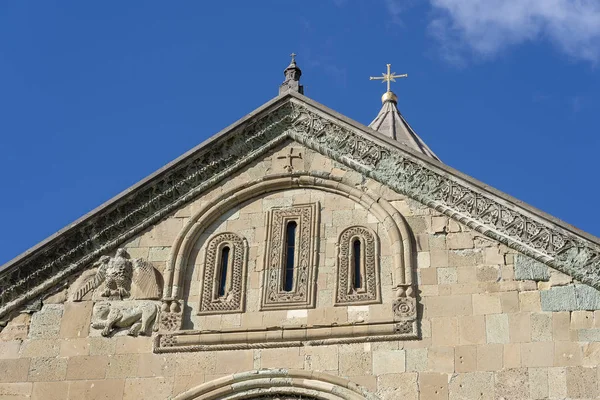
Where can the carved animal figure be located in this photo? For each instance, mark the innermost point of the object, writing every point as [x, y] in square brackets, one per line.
[118, 274]
[138, 317]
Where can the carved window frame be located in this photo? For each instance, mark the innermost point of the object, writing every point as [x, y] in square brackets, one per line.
[234, 300]
[370, 292]
[302, 294]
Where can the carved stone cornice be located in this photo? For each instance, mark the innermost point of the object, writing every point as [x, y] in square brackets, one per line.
[318, 128]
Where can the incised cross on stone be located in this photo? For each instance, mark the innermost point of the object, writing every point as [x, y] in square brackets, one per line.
[389, 77]
[290, 157]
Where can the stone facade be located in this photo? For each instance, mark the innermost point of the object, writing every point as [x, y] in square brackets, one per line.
[448, 313]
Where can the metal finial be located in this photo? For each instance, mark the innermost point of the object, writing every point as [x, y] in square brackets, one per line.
[388, 77]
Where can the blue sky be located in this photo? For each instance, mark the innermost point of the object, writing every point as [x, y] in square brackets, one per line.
[94, 96]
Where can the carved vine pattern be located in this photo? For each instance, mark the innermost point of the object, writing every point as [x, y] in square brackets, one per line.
[302, 293]
[234, 299]
[345, 294]
[67, 254]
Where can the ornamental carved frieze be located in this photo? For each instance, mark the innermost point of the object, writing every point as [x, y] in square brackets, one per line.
[362, 261]
[229, 273]
[301, 294]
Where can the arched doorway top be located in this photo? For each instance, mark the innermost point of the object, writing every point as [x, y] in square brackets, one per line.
[283, 384]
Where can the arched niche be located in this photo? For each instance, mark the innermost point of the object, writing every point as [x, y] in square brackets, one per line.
[397, 228]
[282, 383]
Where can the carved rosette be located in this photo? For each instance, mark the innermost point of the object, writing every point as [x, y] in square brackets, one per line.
[170, 317]
[370, 290]
[233, 299]
[302, 294]
[404, 305]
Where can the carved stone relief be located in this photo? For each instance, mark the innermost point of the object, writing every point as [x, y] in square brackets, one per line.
[369, 290]
[119, 278]
[139, 317]
[302, 293]
[232, 300]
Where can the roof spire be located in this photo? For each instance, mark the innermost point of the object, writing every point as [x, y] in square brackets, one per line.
[391, 123]
[387, 78]
[292, 78]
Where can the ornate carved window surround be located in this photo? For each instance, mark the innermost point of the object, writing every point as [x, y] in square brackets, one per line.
[369, 290]
[275, 295]
[233, 298]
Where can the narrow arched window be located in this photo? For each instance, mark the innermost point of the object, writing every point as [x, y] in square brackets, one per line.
[223, 271]
[356, 264]
[290, 249]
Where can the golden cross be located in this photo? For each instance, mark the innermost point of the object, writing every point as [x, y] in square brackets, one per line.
[389, 77]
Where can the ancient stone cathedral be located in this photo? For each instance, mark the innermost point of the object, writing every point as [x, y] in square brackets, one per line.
[299, 254]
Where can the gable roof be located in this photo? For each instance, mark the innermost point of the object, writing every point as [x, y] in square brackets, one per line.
[319, 128]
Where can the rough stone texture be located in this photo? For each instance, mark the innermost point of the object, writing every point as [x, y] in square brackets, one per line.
[560, 298]
[527, 268]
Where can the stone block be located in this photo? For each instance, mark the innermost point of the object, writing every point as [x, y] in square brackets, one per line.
[582, 319]
[423, 259]
[530, 301]
[509, 302]
[17, 328]
[357, 363]
[471, 386]
[512, 384]
[538, 383]
[560, 298]
[14, 370]
[465, 258]
[433, 386]
[428, 276]
[40, 348]
[537, 354]
[446, 276]
[496, 328]
[281, 358]
[47, 369]
[589, 335]
[148, 388]
[447, 306]
[10, 349]
[465, 358]
[519, 326]
[444, 331]
[16, 391]
[438, 224]
[512, 355]
[128, 344]
[389, 362]
[87, 367]
[158, 253]
[416, 359]
[51, 391]
[486, 303]
[228, 362]
[487, 273]
[321, 358]
[567, 354]
[472, 329]
[156, 365]
[76, 320]
[493, 256]
[398, 386]
[459, 241]
[541, 327]
[489, 357]
[441, 359]
[529, 269]
[557, 383]
[122, 366]
[102, 346]
[582, 383]
[97, 390]
[74, 347]
[561, 324]
[45, 324]
[587, 297]
[590, 354]
[438, 258]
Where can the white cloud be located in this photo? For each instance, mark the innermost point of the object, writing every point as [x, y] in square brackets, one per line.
[486, 27]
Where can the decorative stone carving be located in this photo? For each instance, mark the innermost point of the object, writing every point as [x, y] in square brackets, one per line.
[118, 275]
[306, 253]
[232, 301]
[404, 305]
[171, 316]
[138, 317]
[369, 292]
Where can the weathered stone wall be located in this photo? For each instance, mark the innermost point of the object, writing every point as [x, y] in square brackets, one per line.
[493, 323]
